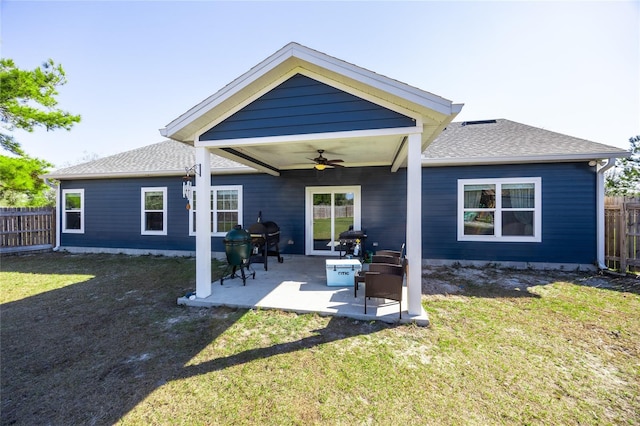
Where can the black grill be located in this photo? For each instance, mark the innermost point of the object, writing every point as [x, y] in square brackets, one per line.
[265, 238]
[348, 241]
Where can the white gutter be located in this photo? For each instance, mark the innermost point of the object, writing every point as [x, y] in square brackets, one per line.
[600, 170]
[57, 217]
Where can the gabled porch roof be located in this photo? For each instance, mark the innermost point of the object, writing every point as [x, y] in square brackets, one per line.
[431, 113]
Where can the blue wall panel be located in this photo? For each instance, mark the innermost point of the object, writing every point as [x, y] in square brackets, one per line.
[302, 105]
[112, 211]
[568, 215]
[112, 215]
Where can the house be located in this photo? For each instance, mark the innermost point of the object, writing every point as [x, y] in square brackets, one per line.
[490, 191]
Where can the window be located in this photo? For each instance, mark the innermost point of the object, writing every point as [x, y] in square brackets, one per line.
[500, 210]
[154, 211]
[226, 209]
[73, 215]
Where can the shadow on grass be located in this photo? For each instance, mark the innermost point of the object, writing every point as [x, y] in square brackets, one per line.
[89, 352]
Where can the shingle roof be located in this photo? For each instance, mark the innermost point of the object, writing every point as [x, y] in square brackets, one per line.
[160, 159]
[499, 141]
[485, 142]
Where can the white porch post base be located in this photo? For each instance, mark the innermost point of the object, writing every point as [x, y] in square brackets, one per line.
[414, 224]
[203, 224]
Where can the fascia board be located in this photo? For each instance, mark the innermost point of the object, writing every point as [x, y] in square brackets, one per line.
[385, 84]
[431, 162]
[227, 91]
[160, 173]
[269, 140]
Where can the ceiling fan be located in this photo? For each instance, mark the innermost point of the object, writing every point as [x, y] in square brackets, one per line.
[322, 162]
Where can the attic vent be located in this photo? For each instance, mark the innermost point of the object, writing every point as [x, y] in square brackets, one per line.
[469, 123]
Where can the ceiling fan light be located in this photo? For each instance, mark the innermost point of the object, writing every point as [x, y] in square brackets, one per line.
[320, 167]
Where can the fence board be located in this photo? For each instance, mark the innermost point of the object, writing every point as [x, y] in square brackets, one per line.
[26, 229]
[622, 233]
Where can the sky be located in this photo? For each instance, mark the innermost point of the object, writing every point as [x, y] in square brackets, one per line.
[132, 67]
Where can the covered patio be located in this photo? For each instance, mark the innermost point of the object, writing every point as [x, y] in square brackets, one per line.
[299, 284]
[273, 119]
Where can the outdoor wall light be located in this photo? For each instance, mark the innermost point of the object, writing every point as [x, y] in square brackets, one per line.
[592, 163]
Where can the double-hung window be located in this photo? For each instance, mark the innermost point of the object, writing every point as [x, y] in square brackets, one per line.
[73, 215]
[507, 209]
[153, 220]
[226, 209]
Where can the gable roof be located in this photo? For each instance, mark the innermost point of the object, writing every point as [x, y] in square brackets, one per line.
[462, 143]
[295, 58]
[503, 141]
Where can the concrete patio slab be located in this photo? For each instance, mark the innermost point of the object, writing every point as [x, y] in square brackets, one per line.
[299, 284]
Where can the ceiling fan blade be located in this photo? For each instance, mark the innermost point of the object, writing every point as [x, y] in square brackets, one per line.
[335, 161]
[334, 165]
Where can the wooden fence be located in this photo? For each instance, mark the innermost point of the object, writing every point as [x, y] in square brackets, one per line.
[27, 229]
[622, 233]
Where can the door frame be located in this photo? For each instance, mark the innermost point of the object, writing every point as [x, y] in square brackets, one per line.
[308, 211]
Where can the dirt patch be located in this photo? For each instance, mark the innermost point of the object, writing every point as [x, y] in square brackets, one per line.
[445, 280]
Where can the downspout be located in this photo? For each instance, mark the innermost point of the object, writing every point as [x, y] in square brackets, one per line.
[56, 187]
[601, 168]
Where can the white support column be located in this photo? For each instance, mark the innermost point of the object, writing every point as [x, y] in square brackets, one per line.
[414, 223]
[203, 224]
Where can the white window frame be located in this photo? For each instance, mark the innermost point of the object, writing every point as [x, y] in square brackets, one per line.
[498, 237]
[64, 211]
[143, 211]
[213, 199]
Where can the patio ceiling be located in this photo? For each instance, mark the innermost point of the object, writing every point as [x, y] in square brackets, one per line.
[298, 154]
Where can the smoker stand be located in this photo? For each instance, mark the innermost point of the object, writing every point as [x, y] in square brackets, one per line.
[230, 272]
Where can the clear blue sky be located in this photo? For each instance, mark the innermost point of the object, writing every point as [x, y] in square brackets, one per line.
[132, 67]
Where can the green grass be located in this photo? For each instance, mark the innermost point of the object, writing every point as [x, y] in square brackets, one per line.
[104, 342]
[322, 227]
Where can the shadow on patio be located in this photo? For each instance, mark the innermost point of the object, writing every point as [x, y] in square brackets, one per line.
[299, 284]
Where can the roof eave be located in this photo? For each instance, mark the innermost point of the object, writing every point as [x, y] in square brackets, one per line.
[138, 174]
[440, 162]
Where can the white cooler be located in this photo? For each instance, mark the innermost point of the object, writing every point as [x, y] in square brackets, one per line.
[340, 272]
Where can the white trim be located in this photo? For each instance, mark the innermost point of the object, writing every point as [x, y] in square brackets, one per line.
[414, 224]
[600, 195]
[143, 210]
[203, 225]
[498, 210]
[304, 54]
[308, 213]
[274, 140]
[64, 211]
[160, 173]
[213, 198]
[559, 158]
[58, 217]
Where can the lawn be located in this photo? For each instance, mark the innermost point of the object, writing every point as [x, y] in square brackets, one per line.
[99, 339]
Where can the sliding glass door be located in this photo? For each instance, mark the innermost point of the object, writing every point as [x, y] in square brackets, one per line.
[330, 210]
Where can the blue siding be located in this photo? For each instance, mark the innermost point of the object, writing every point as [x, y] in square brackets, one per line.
[302, 105]
[112, 215]
[568, 215]
[112, 211]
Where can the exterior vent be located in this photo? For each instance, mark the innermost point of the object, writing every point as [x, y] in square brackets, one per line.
[469, 123]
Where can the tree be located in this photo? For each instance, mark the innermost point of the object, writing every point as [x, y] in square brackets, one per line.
[624, 178]
[28, 100]
[20, 183]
